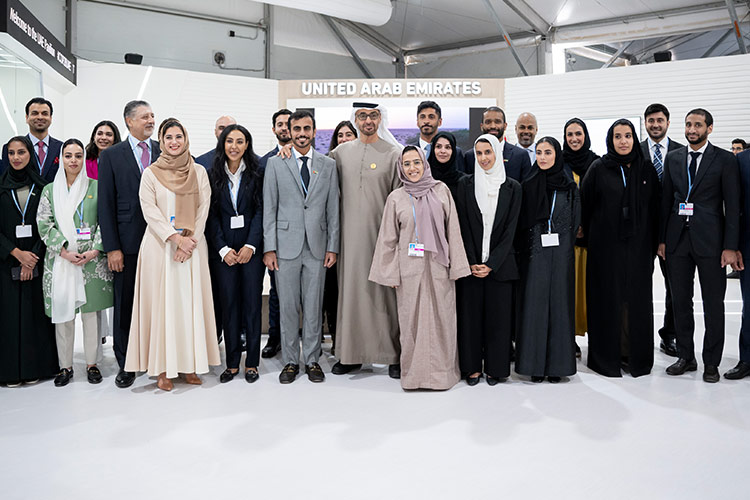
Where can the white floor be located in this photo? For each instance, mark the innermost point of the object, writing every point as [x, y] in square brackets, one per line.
[361, 436]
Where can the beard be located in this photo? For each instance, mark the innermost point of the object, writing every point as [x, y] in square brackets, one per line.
[700, 139]
[499, 133]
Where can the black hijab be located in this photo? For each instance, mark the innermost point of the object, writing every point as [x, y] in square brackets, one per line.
[538, 189]
[634, 177]
[445, 172]
[15, 179]
[580, 160]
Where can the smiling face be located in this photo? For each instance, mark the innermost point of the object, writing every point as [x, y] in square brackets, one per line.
[575, 136]
[485, 155]
[367, 121]
[545, 155]
[141, 122]
[104, 137]
[303, 132]
[493, 122]
[174, 140]
[72, 157]
[18, 155]
[526, 129]
[428, 122]
[696, 130]
[39, 118]
[235, 146]
[413, 166]
[657, 126]
[345, 134]
[443, 150]
[623, 140]
[281, 129]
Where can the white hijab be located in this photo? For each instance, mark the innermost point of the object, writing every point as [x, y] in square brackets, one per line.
[68, 291]
[383, 131]
[486, 188]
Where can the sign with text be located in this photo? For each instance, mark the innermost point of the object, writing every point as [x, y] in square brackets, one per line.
[407, 88]
[21, 24]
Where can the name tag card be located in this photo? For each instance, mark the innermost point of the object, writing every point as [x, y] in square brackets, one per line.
[83, 233]
[171, 221]
[686, 209]
[550, 240]
[416, 250]
[23, 231]
[237, 222]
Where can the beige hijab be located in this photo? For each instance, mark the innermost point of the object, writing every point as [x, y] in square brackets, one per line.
[177, 173]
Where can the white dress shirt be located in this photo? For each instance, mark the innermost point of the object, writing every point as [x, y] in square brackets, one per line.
[35, 141]
[137, 150]
[663, 148]
[700, 158]
[423, 144]
[234, 180]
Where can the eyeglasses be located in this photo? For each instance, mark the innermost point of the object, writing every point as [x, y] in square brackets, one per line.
[373, 115]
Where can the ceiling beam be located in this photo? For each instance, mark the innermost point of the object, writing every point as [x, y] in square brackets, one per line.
[736, 25]
[506, 36]
[717, 43]
[337, 32]
[617, 55]
[373, 38]
[529, 16]
[476, 42]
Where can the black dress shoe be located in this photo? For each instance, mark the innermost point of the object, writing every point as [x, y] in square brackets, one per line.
[472, 381]
[742, 370]
[669, 347]
[227, 376]
[315, 373]
[251, 375]
[124, 379]
[394, 370]
[537, 380]
[94, 375]
[289, 373]
[63, 377]
[681, 366]
[273, 346]
[494, 380]
[342, 369]
[710, 374]
[554, 380]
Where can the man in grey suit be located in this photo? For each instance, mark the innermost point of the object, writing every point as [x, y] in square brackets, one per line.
[300, 241]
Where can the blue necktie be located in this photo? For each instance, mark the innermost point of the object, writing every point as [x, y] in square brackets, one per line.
[427, 150]
[658, 161]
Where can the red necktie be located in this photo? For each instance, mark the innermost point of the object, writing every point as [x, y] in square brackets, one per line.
[41, 154]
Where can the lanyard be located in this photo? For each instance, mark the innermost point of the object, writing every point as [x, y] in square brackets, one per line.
[552, 210]
[690, 184]
[18, 206]
[79, 211]
[624, 180]
[233, 195]
[414, 213]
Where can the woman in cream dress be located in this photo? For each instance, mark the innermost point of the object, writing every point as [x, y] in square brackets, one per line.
[173, 329]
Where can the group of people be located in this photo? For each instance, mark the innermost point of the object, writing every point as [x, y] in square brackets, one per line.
[442, 264]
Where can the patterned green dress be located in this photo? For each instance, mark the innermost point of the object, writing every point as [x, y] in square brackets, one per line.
[97, 277]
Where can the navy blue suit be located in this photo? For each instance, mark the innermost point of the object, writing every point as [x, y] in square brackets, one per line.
[51, 161]
[240, 287]
[274, 332]
[517, 163]
[207, 159]
[122, 225]
[744, 163]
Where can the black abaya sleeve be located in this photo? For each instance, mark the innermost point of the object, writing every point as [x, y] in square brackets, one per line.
[587, 196]
[667, 200]
[500, 252]
[462, 208]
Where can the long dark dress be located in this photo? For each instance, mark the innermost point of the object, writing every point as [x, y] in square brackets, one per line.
[545, 344]
[619, 269]
[27, 336]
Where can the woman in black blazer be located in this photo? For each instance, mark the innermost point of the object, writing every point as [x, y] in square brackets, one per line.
[235, 232]
[487, 202]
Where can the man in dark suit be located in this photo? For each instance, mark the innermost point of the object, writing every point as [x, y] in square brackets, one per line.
[656, 148]
[121, 219]
[207, 158]
[429, 119]
[517, 163]
[742, 369]
[700, 216]
[46, 147]
[280, 127]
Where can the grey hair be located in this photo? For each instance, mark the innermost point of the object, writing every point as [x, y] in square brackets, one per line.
[131, 107]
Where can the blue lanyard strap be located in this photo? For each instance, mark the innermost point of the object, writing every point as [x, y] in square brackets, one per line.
[233, 195]
[690, 184]
[18, 205]
[624, 180]
[551, 211]
[414, 213]
[79, 211]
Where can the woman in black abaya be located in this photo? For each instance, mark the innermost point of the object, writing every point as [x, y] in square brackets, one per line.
[620, 199]
[443, 161]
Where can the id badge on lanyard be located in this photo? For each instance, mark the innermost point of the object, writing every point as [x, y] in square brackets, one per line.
[551, 239]
[416, 249]
[23, 230]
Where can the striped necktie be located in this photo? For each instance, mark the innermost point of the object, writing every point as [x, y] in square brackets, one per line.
[658, 161]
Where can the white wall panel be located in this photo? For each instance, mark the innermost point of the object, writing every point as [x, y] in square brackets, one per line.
[717, 84]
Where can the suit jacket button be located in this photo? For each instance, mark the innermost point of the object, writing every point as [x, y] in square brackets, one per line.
[305, 208]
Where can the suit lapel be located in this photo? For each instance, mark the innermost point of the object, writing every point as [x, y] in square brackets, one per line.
[291, 164]
[315, 165]
[708, 157]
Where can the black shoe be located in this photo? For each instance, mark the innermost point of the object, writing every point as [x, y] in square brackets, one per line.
[251, 375]
[94, 375]
[681, 366]
[494, 380]
[315, 373]
[273, 346]
[227, 376]
[578, 351]
[394, 371]
[710, 374]
[342, 369]
[669, 347]
[124, 379]
[742, 370]
[472, 381]
[537, 380]
[289, 373]
[63, 377]
[554, 380]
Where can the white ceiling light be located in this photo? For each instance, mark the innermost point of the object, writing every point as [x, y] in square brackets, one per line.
[372, 12]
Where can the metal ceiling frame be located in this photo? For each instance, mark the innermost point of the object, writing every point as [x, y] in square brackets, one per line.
[506, 36]
[341, 38]
[736, 25]
[529, 15]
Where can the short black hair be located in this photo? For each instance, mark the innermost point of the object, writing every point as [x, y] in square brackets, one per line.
[496, 109]
[299, 115]
[38, 100]
[131, 107]
[280, 112]
[704, 113]
[656, 108]
[740, 141]
[430, 104]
